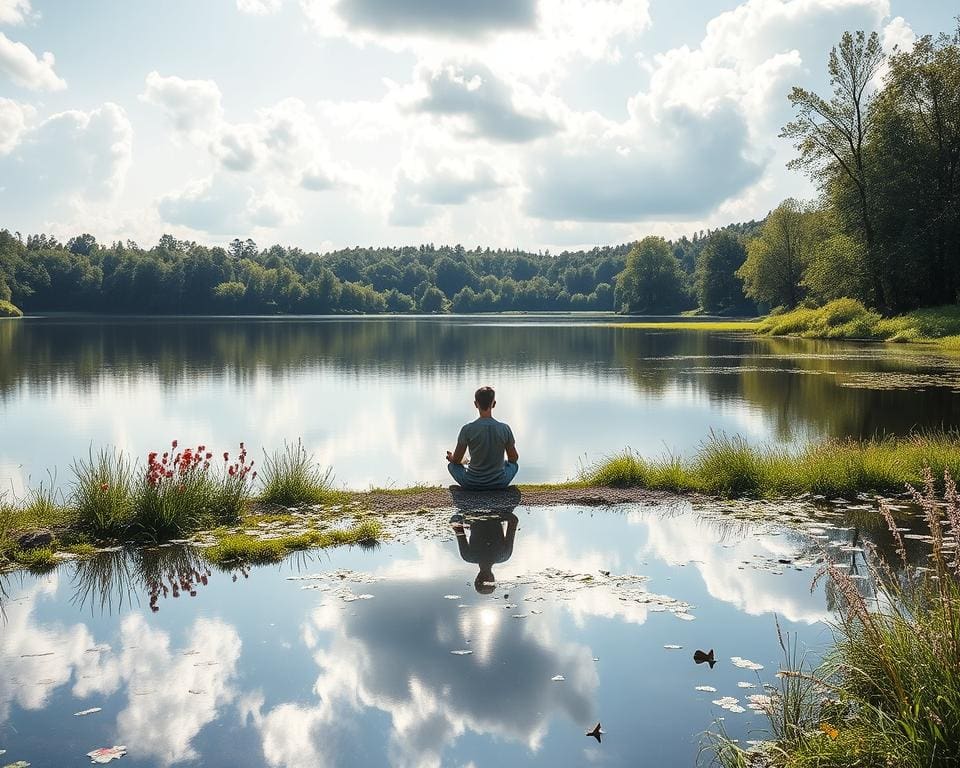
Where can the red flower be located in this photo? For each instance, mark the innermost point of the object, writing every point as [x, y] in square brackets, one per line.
[104, 486]
[169, 473]
[174, 443]
[226, 456]
[208, 456]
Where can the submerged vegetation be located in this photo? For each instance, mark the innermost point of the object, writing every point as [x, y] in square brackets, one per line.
[251, 549]
[730, 467]
[888, 694]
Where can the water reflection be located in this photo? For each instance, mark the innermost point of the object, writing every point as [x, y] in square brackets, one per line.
[374, 397]
[481, 538]
[290, 668]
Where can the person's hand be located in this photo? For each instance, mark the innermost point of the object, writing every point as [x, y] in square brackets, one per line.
[450, 456]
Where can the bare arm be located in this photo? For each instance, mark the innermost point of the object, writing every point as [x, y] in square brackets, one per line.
[456, 457]
[512, 454]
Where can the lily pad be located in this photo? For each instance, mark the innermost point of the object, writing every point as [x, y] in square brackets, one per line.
[104, 755]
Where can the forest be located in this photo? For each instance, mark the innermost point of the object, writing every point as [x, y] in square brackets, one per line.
[884, 230]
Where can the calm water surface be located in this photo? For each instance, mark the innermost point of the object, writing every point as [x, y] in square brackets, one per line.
[380, 400]
[344, 658]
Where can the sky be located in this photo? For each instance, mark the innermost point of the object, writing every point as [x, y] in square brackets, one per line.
[538, 124]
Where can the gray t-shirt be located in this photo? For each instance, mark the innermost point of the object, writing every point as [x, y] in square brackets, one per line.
[486, 439]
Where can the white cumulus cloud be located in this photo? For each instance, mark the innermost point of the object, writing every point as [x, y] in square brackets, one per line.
[191, 105]
[23, 67]
[14, 11]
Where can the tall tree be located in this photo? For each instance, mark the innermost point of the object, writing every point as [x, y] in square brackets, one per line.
[830, 136]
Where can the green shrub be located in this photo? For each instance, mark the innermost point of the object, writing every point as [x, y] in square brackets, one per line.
[9, 310]
[292, 477]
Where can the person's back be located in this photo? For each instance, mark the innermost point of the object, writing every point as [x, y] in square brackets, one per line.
[487, 440]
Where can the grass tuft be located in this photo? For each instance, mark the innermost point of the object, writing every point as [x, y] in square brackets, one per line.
[730, 467]
[102, 495]
[39, 560]
[291, 477]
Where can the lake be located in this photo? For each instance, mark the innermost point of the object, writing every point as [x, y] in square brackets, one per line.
[405, 654]
[380, 400]
[392, 657]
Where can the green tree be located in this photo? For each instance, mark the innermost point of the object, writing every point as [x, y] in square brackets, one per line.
[652, 281]
[831, 135]
[432, 300]
[719, 287]
[779, 256]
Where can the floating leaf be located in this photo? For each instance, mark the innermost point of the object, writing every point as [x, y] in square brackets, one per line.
[745, 663]
[84, 712]
[558, 678]
[106, 754]
[707, 688]
[673, 647]
[745, 685]
[461, 653]
[451, 597]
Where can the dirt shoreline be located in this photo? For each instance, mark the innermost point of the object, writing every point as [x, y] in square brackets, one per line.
[440, 497]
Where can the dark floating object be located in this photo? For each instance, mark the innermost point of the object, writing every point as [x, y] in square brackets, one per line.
[604, 573]
[700, 657]
[596, 732]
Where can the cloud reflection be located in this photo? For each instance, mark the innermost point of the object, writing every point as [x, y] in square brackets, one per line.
[393, 654]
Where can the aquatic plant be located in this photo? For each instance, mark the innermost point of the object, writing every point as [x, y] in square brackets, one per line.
[291, 476]
[251, 549]
[39, 559]
[731, 467]
[888, 692]
[180, 491]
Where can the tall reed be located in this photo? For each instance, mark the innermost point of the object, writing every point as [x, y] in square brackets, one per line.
[888, 693]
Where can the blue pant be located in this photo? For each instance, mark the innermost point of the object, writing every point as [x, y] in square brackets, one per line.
[460, 474]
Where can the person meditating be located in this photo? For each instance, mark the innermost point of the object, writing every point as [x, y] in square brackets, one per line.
[487, 440]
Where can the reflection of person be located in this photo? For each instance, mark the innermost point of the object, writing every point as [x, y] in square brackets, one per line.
[486, 546]
[487, 440]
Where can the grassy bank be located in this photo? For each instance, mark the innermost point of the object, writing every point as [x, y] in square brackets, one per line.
[730, 467]
[9, 310]
[110, 498]
[888, 693]
[691, 325]
[849, 319]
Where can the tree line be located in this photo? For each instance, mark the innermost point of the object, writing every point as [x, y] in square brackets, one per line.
[883, 147]
[885, 229]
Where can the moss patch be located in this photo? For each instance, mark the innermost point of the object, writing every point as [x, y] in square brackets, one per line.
[243, 548]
